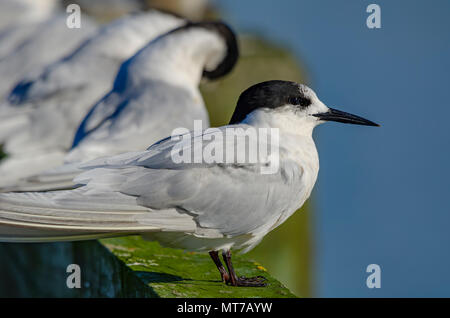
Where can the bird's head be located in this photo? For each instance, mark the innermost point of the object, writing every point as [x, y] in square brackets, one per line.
[290, 100]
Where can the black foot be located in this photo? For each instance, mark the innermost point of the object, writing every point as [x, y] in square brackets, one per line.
[258, 281]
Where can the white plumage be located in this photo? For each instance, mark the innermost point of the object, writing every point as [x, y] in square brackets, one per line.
[15, 12]
[154, 92]
[49, 40]
[44, 111]
[198, 204]
[19, 18]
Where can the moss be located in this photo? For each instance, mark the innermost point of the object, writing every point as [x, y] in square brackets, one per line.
[121, 267]
[176, 273]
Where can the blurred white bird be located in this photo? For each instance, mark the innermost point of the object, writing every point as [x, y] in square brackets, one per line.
[154, 92]
[201, 206]
[112, 8]
[50, 40]
[13, 12]
[44, 111]
[90, 69]
[18, 19]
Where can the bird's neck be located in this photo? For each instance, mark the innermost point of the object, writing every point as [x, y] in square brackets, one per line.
[178, 58]
[287, 122]
[295, 137]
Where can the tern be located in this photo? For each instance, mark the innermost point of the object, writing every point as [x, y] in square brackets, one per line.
[201, 206]
[44, 111]
[155, 91]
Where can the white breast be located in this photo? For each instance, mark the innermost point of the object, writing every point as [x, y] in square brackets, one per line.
[299, 161]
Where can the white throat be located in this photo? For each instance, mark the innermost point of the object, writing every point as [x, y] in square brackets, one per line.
[284, 119]
[295, 137]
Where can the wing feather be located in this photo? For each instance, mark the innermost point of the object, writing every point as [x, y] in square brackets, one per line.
[232, 198]
[74, 214]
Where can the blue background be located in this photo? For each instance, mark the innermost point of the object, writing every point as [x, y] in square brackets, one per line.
[383, 193]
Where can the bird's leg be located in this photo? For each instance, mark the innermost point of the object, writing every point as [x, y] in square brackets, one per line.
[223, 272]
[258, 281]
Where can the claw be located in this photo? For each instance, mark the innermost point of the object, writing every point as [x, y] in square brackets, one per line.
[230, 277]
[258, 281]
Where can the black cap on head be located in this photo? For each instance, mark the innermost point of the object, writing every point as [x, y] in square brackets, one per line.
[270, 94]
[274, 94]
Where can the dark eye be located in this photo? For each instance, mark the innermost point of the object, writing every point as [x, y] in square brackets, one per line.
[298, 100]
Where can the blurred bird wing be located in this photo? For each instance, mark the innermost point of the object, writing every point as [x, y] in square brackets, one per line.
[134, 119]
[40, 49]
[103, 51]
[12, 36]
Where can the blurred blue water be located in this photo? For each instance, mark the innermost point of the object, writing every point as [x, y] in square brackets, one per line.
[382, 193]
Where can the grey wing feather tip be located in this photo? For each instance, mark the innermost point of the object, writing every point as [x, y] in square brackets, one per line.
[30, 186]
[73, 215]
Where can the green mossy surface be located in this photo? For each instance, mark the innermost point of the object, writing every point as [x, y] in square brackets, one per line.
[126, 267]
[176, 273]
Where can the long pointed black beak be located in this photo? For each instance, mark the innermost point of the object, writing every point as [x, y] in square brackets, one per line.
[343, 117]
